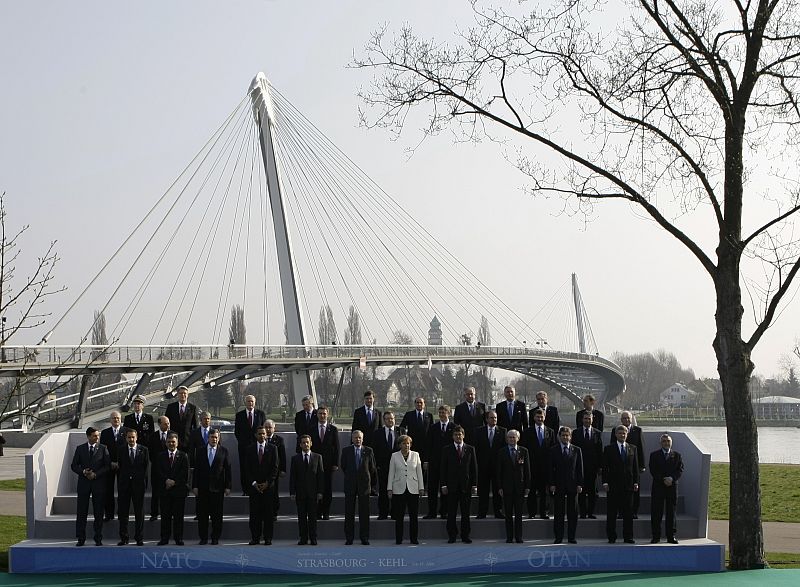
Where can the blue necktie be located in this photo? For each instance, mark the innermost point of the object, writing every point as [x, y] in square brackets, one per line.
[624, 453]
[510, 412]
[358, 458]
[541, 437]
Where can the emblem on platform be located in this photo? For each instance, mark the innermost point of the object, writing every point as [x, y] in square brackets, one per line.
[242, 561]
[491, 559]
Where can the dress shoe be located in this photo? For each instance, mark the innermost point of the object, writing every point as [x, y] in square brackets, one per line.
[583, 516]
[302, 542]
[140, 543]
[451, 540]
[398, 541]
[557, 541]
[153, 518]
[255, 542]
[443, 516]
[268, 543]
[326, 516]
[428, 517]
[313, 542]
[519, 541]
[544, 517]
[509, 540]
[348, 542]
[531, 516]
[415, 541]
[672, 540]
[466, 540]
[108, 518]
[274, 518]
[480, 516]
[214, 541]
[499, 515]
[365, 542]
[80, 542]
[98, 543]
[635, 516]
[383, 517]
[572, 541]
[655, 540]
[163, 542]
[179, 543]
[630, 541]
[122, 542]
[592, 517]
[612, 540]
[202, 542]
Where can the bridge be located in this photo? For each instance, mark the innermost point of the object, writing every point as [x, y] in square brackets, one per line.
[272, 219]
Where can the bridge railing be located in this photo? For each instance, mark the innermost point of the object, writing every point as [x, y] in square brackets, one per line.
[90, 354]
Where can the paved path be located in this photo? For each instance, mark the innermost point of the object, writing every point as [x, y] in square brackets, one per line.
[12, 463]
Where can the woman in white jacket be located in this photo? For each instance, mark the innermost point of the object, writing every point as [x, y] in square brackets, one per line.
[404, 488]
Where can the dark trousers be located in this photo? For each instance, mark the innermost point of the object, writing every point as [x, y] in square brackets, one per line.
[262, 507]
[307, 517]
[327, 494]
[111, 478]
[620, 501]
[351, 500]
[635, 504]
[565, 500]
[242, 449]
[456, 499]
[209, 505]
[276, 498]
[172, 508]
[512, 507]
[155, 483]
[125, 498]
[487, 479]
[400, 503]
[97, 494]
[437, 504]
[661, 499]
[588, 498]
[383, 496]
[537, 499]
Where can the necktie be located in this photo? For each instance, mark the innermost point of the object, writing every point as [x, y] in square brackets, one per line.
[358, 458]
[116, 433]
[210, 456]
[91, 451]
[137, 418]
[514, 454]
[472, 409]
[460, 452]
[171, 459]
[205, 435]
[308, 418]
[322, 432]
[443, 427]
[586, 430]
[260, 454]
[133, 454]
[390, 439]
[369, 417]
[541, 435]
[306, 460]
[623, 452]
[566, 451]
[163, 437]
[250, 418]
[491, 436]
[419, 418]
[183, 410]
[510, 411]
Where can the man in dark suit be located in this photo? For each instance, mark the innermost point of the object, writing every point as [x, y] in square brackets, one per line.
[211, 482]
[512, 414]
[91, 463]
[588, 407]
[276, 440]
[469, 414]
[514, 475]
[590, 441]
[134, 468]
[416, 423]
[137, 420]
[538, 439]
[666, 467]
[182, 417]
[158, 444]
[488, 440]
[635, 438]
[551, 418]
[261, 479]
[566, 483]
[620, 482]
[360, 473]
[173, 466]
[385, 441]
[113, 438]
[306, 483]
[198, 439]
[325, 440]
[459, 482]
[367, 418]
[440, 434]
[246, 423]
[305, 420]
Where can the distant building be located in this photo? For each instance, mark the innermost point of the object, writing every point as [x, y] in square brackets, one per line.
[435, 332]
[776, 407]
[677, 395]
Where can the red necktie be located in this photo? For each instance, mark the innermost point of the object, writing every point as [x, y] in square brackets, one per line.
[460, 452]
[250, 418]
[260, 453]
[171, 459]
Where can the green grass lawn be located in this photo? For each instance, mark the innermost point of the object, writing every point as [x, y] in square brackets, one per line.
[12, 484]
[780, 492]
[12, 530]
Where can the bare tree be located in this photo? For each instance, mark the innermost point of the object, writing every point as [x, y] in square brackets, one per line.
[352, 336]
[683, 104]
[401, 337]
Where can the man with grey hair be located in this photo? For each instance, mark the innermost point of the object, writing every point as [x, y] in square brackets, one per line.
[620, 482]
[246, 423]
[360, 474]
[514, 478]
[113, 438]
[636, 439]
[158, 444]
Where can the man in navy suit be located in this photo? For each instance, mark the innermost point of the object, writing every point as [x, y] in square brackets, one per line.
[198, 439]
[91, 463]
[173, 467]
[416, 423]
[211, 482]
[277, 441]
[512, 414]
[470, 413]
[246, 423]
[261, 479]
[551, 418]
[666, 467]
[182, 415]
[134, 468]
[566, 483]
[305, 420]
[367, 418]
[538, 439]
[488, 440]
[306, 484]
[385, 441]
[620, 482]
[440, 434]
[459, 482]
[590, 441]
[325, 440]
[360, 474]
[514, 476]
[113, 438]
[158, 444]
[588, 407]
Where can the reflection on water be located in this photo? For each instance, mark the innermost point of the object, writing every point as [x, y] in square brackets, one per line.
[775, 445]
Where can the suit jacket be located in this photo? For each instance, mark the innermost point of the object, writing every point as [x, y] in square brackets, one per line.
[306, 482]
[636, 438]
[113, 446]
[133, 475]
[178, 472]
[462, 417]
[280, 446]
[196, 443]
[540, 452]
[661, 467]
[360, 422]
[405, 474]
[520, 420]
[182, 426]
[215, 477]
[383, 452]
[514, 475]
[591, 450]
[418, 431]
[620, 475]
[328, 447]
[99, 462]
[437, 440]
[566, 472]
[458, 474]
[551, 418]
[302, 425]
[485, 453]
[358, 480]
[597, 419]
[156, 445]
[265, 471]
[244, 433]
[144, 429]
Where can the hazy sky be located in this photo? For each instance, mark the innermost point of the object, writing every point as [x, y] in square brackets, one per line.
[103, 103]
